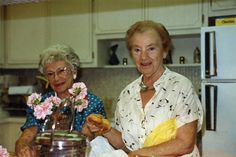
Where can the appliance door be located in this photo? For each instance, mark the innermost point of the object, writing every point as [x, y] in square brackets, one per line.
[218, 52]
[219, 133]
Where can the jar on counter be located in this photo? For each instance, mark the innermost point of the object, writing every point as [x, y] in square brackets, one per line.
[196, 55]
[181, 60]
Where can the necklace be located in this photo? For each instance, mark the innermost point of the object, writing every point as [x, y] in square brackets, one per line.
[143, 86]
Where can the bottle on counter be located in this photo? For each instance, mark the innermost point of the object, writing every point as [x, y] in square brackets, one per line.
[196, 55]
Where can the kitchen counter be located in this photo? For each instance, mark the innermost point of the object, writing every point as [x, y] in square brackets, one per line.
[10, 131]
[12, 120]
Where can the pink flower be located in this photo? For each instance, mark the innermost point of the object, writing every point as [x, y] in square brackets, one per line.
[79, 93]
[44, 109]
[3, 152]
[54, 100]
[79, 90]
[34, 99]
[84, 104]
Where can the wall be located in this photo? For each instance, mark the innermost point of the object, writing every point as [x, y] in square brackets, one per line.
[107, 83]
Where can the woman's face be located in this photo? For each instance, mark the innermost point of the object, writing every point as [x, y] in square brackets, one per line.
[60, 77]
[148, 53]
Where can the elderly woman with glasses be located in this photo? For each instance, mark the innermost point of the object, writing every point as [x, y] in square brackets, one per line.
[59, 64]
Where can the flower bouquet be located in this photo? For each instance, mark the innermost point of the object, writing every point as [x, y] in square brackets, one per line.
[3, 152]
[56, 137]
[42, 109]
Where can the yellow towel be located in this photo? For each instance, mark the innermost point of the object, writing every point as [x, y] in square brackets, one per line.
[162, 133]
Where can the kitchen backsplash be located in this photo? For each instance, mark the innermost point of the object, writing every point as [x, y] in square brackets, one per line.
[107, 83]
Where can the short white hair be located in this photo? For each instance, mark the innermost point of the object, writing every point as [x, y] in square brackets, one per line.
[59, 52]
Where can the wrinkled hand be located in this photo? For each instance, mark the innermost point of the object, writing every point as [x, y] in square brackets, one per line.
[135, 155]
[23, 150]
[97, 124]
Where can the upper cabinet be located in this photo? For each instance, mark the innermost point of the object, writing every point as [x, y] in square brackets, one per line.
[1, 37]
[221, 7]
[32, 27]
[70, 22]
[26, 34]
[112, 16]
[179, 16]
[91, 27]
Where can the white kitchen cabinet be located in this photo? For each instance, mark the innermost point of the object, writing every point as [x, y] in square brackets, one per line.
[179, 16]
[10, 132]
[32, 27]
[221, 7]
[1, 37]
[70, 22]
[112, 16]
[26, 34]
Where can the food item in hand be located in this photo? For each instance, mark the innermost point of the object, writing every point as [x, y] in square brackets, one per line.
[95, 119]
[100, 122]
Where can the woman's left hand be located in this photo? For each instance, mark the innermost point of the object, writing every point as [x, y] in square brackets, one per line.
[132, 154]
[98, 124]
[87, 132]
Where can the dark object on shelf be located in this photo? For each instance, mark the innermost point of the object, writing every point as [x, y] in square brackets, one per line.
[168, 59]
[125, 61]
[196, 55]
[181, 60]
[113, 57]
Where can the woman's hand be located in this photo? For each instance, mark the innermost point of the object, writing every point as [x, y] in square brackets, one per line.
[97, 124]
[24, 150]
[87, 132]
[131, 154]
[23, 147]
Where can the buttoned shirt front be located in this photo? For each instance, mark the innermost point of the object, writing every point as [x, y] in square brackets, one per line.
[174, 98]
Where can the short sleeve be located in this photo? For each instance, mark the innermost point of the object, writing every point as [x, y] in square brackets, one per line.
[188, 108]
[31, 120]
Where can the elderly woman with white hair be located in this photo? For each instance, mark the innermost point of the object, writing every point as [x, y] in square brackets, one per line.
[59, 64]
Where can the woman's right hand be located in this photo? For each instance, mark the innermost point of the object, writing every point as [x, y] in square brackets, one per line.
[23, 147]
[97, 124]
[24, 150]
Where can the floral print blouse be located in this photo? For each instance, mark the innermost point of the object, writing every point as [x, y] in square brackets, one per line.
[95, 105]
[174, 98]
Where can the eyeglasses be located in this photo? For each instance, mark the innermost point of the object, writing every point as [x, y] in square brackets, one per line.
[60, 72]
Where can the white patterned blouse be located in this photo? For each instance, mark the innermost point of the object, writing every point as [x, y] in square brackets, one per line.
[174, 97]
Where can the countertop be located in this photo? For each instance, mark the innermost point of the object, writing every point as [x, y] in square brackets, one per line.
[12, 120]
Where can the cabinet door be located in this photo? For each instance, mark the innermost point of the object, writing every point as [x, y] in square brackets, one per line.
[176, 15]
[1, 37]
[220, 8]
[25, 34]
[70, 23]
[112, 16]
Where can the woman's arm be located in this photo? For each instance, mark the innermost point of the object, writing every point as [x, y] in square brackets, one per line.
[23, 145]
[97, 125]
[115, 139]
[182, 144]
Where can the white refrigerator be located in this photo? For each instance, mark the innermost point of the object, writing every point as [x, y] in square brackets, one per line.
[218, 86]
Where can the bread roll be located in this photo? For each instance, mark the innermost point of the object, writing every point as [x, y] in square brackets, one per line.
[100, 122]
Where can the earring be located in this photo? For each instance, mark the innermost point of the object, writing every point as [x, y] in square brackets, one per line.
[74, 76]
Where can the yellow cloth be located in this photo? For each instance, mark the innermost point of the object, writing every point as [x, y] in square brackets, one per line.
[162, 133]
